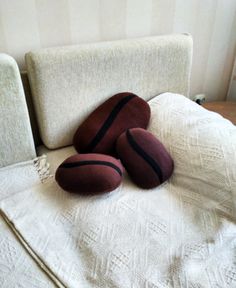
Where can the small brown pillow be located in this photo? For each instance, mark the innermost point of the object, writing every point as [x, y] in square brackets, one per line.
[99, 132]
[89, 174]
[144, 157]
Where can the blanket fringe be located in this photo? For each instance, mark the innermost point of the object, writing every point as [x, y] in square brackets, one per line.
[43, 168]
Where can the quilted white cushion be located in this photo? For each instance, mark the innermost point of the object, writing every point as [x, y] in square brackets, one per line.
[181, 234]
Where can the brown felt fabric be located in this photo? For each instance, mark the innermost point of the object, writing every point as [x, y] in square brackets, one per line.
[89, 179]
[135, 113]
[137, 163]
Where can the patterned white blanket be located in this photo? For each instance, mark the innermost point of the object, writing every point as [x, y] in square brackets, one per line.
[181, 234]
[17, 268]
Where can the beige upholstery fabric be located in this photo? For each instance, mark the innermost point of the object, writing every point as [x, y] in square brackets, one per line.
[16, 141]
[29, 101]
[68, 83]
[180, 234]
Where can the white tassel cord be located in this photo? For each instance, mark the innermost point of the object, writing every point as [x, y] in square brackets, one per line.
[43, 168]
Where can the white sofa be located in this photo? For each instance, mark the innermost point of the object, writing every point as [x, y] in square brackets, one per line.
[181, 234]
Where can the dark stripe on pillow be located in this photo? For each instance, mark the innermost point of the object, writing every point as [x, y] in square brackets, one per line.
[90, 162]
[108, 122]
[144, 155]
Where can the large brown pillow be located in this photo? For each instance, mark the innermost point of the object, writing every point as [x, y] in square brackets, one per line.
[89, 174]
[101, 129]
[144, 157]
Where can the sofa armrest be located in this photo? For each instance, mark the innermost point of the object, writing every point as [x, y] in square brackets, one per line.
[16, 140]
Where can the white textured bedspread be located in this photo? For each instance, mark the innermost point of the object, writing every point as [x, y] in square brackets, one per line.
[181, 234]
[17, 268]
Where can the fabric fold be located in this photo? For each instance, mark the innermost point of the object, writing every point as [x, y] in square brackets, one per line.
[32, 254]
[16, 265]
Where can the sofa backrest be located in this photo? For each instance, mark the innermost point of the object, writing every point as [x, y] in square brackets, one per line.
[68, 83]
[16, 140]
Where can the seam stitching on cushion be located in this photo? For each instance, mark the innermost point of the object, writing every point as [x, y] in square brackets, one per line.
[108, 122]
[91, 162]
[154, 165]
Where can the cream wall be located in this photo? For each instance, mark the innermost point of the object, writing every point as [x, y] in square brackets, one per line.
[232, 88]
[30, 24]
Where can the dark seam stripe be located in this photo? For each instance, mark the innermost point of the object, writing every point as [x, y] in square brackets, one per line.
[108, 122]
[144, 155]
[90, 162]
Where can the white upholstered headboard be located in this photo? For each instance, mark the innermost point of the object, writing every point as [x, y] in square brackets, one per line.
[68, 83]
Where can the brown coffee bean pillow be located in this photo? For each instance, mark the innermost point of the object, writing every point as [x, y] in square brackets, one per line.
[89, 174]
[98, 133]
[144, 157]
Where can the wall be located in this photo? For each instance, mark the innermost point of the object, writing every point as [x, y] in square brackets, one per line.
[30, 24]
[232, 88]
